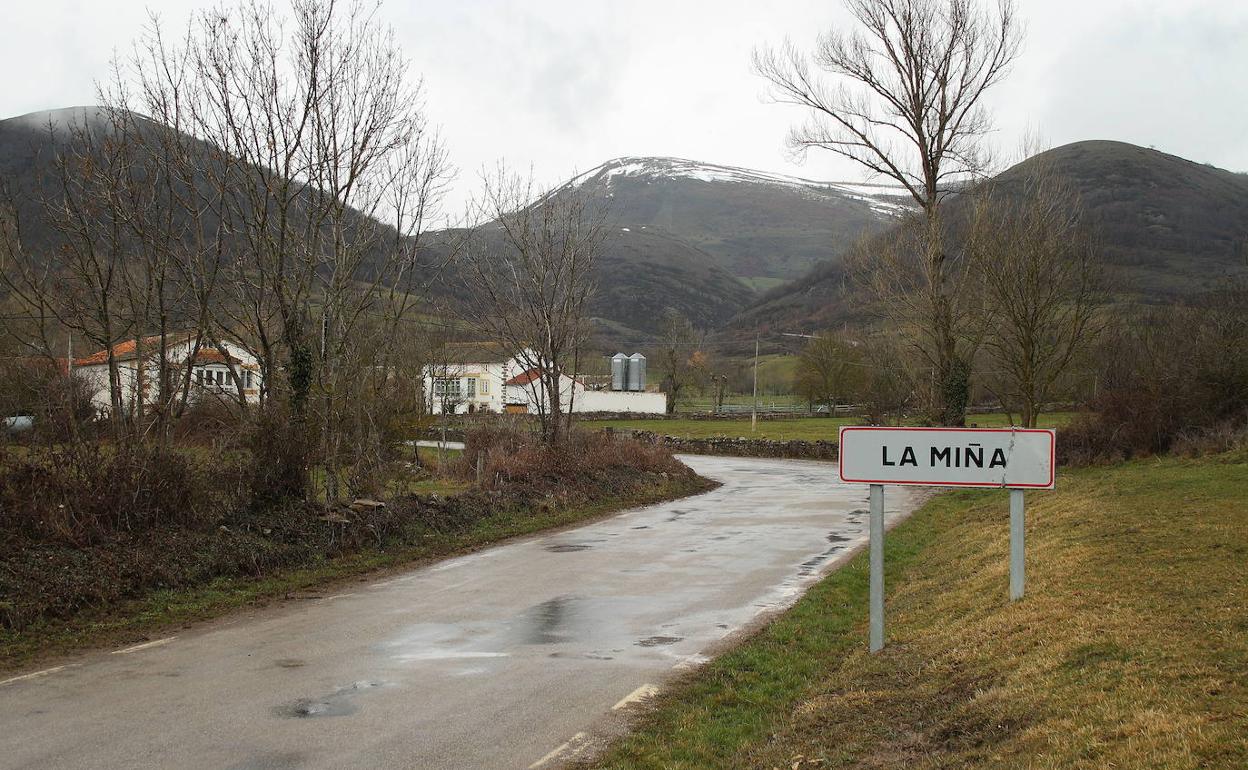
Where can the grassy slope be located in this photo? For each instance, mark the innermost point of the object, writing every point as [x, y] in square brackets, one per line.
[170, 608]
[1130, 650]
[804, 428]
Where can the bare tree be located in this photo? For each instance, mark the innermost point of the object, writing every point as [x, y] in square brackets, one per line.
[906, 103]
[1041, 274]
[87, 286]
[530, 274]
[888, 390]
[678, 340]
[307, 137]
[829, 371]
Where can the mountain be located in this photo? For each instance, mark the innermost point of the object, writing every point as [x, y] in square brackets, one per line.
[28, 152]
[697, 237]
[1168, 228]
[762, 228]
[640, 273]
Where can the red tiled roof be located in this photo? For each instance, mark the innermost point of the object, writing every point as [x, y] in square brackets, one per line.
[125, 350]
[524, 378]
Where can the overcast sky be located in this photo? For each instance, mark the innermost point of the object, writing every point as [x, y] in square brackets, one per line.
[564, 86]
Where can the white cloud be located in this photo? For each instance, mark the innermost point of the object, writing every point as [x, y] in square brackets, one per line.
[564, 85]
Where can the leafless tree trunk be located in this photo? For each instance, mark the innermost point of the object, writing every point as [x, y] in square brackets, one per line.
[529, 271]
[906, 104]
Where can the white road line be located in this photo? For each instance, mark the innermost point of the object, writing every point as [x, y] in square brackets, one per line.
[32, 675]
[144, 646]
[556, 751]
[640, 694]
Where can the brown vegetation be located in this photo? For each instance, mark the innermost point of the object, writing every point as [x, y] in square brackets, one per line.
[84, 528]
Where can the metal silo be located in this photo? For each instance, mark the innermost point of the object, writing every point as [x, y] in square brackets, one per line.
[636, 372]
[619, 372]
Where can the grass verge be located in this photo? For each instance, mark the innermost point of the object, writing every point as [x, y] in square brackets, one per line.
[162, 610]
[1130, 650]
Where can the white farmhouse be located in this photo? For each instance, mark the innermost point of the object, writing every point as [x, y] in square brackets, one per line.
[215, 369]
[484, 377]
[468, 377]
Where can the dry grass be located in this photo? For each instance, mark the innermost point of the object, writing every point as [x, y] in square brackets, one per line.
[1130, 650]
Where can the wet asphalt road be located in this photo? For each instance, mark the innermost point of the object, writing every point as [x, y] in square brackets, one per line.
[491, 660]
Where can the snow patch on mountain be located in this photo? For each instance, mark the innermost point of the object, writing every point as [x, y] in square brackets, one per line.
[890, 200]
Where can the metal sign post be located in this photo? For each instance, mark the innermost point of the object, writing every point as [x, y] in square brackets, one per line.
[1017, 565]
[877, 567]
[1000, 458]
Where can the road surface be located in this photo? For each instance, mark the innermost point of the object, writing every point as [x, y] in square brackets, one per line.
[499, 659]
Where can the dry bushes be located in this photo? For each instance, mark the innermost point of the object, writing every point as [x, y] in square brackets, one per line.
[79, 494]
[1173, 379]
[585, 463]
[61, 406]
[88, 527]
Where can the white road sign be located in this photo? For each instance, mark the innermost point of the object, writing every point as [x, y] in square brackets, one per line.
[1014, 458]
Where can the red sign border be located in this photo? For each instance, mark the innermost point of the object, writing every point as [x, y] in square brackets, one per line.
[1050, 432]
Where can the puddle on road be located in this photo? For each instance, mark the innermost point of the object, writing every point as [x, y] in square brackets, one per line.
[809, 566]
[546, 623]
[658, 641]
[568, 547]
[337, 704]
[834, 537]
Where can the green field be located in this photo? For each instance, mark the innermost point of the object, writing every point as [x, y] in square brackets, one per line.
[797, 428]
[1130, 649]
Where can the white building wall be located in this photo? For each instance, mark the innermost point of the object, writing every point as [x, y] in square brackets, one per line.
[489, 398]
[620, 401]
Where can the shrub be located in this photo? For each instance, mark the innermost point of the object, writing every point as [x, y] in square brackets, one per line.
[1167, 379]
[584, 463]
[1224, 437]
[60, 405]
[81, 493]
[278, 446]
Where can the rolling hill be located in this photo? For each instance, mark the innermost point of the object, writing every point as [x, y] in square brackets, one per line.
[734, 249]
[1169, 228]
[697, 237]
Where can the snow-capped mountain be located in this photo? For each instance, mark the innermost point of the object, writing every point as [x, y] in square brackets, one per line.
[885, 199]
[764, 228]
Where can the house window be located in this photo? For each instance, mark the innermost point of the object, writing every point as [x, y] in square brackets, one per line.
[485, 387]
[446, 387]
[472, 387]
[247, 379]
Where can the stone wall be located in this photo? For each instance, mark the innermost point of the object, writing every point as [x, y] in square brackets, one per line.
[741, 447]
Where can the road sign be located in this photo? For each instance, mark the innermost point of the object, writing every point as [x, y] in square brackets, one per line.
[1005, 458]
[1017, 458]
